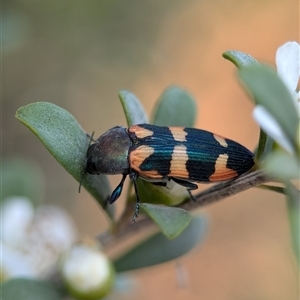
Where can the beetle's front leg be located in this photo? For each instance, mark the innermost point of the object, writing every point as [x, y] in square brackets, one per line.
[117, 191]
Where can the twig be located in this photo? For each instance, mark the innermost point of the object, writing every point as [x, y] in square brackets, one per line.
[210, 195]
[226, 189]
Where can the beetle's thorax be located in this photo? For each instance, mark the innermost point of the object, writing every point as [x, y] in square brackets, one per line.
[109, 154]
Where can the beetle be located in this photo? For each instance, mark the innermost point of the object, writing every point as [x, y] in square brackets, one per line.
[159, 154]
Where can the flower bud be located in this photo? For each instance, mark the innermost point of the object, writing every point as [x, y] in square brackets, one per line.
[87, 272]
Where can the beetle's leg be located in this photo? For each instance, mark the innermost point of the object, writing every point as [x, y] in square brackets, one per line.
[133, 176]
[191, 195]
[118, 190]
[164, 184]
[189, 186]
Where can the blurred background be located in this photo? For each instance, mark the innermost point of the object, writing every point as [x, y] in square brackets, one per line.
[79, 54]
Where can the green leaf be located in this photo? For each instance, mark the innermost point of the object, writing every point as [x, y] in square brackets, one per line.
[66, 141]
[170, 220]
[273, 165]
[261, 145]
[174, 195]
[293, 205]
[22, 178]
[27, 289]
[273, 188]
[270, 92]
[134, 111]
[158, 249]
[239, 59]
[175, 107]
[265, 146]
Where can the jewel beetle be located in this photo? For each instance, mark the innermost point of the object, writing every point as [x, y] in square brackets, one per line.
[159, 154]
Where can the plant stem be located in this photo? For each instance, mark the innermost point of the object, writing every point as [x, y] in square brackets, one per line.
[226, 189]
[210, 195]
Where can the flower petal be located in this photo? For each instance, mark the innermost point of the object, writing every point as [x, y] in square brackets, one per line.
[288, 64]
[17, 216]
[269, 124]
[15, 263]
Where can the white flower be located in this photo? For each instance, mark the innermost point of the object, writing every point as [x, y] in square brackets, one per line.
[271, 127]
[288, 69]
[32, 241]
[87, 272]
[17, 214]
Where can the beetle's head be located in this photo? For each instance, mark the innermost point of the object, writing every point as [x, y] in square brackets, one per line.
[109, 154]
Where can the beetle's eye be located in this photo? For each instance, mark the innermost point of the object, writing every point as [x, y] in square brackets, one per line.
[94, 167]
[91, 167]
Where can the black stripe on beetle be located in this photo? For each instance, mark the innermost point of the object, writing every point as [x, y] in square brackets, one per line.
[159, 154]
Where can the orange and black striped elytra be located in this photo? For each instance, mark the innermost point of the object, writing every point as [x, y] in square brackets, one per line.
[159, 154]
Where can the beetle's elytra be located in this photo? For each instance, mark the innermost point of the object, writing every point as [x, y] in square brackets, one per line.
[159, 154]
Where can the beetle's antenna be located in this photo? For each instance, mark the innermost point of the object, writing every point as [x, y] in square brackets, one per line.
[85, 170]
[81, 179]
[91, 137]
